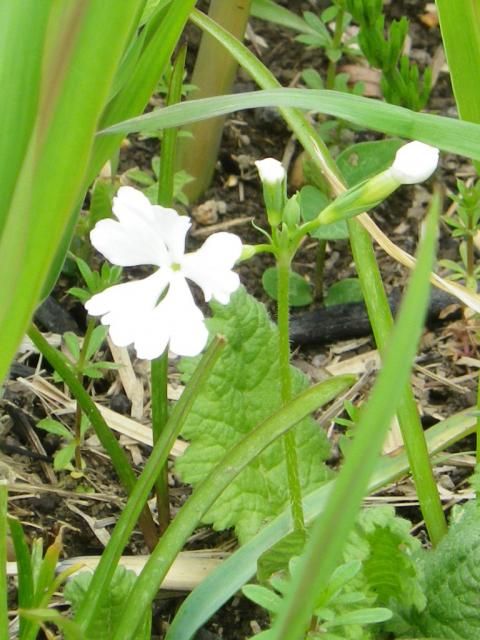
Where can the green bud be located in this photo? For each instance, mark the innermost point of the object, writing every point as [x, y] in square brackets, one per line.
[291, 212]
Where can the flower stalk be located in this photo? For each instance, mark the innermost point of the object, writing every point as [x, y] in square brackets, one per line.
[291, 459]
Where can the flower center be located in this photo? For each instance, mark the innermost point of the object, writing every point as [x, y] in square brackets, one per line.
[176, 266]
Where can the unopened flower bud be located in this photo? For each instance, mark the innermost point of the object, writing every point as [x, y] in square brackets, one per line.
[291, 212]
[414, 162]
[272, 175]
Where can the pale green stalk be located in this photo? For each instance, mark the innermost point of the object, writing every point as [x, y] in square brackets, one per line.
[291, 458]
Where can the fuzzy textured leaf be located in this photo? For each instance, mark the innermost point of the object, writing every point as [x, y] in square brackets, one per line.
[244, 389]
[452, 581]
[112, 610]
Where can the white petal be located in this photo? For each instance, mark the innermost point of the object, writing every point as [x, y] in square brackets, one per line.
[211, 266]
[128, 244]
[270, 170]
[134, 239]
[126, 307]
[414, 162]
[173, 228]
[176, 320]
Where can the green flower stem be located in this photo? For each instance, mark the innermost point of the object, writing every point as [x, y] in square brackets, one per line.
[159, 366]
[99, 587]
[3, 557]
[159, 381]
[412, 431]
[337, 39]
[320, 156]
[212, 487]
[78, 410]
[119, 460]
[291, 459]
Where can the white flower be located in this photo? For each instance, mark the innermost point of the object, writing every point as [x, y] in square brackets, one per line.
[414, 162]
[160, 311]
[270, 170]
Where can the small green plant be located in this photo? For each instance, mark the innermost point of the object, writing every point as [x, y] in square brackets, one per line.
[148, 182]
[62, 460]
[464, 225]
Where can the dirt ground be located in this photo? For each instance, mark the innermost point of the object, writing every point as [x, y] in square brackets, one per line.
[444, 379]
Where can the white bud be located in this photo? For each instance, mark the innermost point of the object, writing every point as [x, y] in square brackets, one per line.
[414, 162]
[270, 170]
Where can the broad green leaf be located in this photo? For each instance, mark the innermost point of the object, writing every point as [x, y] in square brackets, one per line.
[343, 292]
[243, 390]
[387, 550]
[446, 133]
[452, 581]
[365, 159]
[122, 583]
[300, 291]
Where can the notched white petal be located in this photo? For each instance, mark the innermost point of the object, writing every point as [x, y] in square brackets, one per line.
[172, 228]
[211, 266]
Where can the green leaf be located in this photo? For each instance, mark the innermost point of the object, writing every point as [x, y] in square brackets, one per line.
[55, 427]
[271, 11]
[263, 596]
[362, 616]
[100, 201]
[73, 344]
[343, 292]
[300, 292]
[112, 608]
[446, 133]
[96, 339]
[243, 390]
[63, 457]
[279, 555]
[452, 581]
[365, 159]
